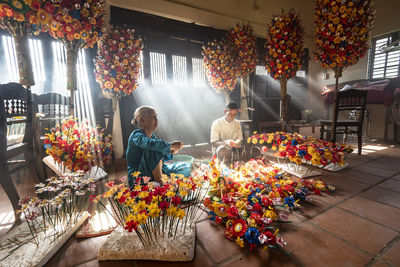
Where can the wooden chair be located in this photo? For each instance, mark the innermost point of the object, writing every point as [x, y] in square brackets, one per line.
[15, 115]
[49, 109]
[349, 101]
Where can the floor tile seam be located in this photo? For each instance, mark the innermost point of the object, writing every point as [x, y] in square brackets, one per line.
[340, 238]
[362, 191]
[366, 218]
[201, 245]
[227, 260]
[378, 256]
[382, 202]
[378, 175]
[388, 188]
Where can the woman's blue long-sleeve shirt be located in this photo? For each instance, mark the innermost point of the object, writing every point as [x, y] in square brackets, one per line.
[144, 153]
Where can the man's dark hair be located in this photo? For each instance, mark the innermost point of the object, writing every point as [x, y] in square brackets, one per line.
[231, 106]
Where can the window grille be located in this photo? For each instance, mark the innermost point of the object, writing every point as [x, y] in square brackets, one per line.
[384, 63]
[199, 72]
[179, 70]
[158, 68]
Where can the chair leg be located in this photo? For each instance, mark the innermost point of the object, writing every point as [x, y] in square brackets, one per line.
[321, 130]
[9, 188]
[359, 139]
[30, 157]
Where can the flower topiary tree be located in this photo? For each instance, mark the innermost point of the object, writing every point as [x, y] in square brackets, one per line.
[21, 19]
[284, 45]
[78, 24]
[342, 31]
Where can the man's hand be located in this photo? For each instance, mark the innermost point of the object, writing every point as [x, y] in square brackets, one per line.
[176, 146]
[231, 143]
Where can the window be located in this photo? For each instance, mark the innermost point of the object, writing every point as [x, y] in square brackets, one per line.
[11, 59]
[36, 51]
[260, 70]
[199, 72]
[158, 68]
[179, 70]
[385, 57]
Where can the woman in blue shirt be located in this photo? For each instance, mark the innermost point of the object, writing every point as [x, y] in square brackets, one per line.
[146, 153]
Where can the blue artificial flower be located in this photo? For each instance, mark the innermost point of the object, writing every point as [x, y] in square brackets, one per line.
[252, 235]
[113, 73]
[268, 188]
[302, 153]
[212, 216]
[253, 199]
[279, 176]
[294, 142]
[289, 201]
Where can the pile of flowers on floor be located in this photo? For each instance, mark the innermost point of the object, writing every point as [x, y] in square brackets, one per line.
[253, 198]
[301, 149]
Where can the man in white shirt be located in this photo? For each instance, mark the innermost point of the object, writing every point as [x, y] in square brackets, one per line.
[226, 133]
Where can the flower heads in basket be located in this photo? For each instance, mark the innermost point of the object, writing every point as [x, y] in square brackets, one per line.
[342, 31]
[78, 145]
[254, 199]
[118, 61]
[302, 149]
[284, 46]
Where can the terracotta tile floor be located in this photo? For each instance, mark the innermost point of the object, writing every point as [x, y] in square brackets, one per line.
[359, 225]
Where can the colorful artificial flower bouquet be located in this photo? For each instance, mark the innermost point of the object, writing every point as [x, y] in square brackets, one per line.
[220, 65]
[253, 198]
[20, 18]
[342, 32]
[155, 211]
[78, 145]
[243, 42]
[118, 61]
[74, 20]
[301, 149]
[284, 46]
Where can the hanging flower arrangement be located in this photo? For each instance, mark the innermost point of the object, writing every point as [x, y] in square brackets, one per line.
[342, 31]
[243, 41]
[284, 46]
[220, 65]
[301, 149]
[254, 199]
[118, 61]
[21, 19]
[78, 145]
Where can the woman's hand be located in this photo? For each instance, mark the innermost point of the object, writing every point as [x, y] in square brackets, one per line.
[176, 146]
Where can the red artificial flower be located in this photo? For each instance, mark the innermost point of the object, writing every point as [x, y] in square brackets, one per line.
[239, 227]
[131, 225]
[176, 201]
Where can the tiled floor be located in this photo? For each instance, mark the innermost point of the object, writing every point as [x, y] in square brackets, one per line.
[359, 225]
